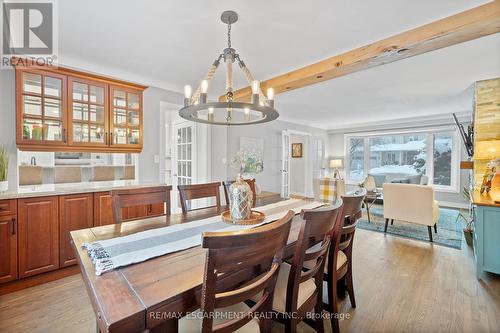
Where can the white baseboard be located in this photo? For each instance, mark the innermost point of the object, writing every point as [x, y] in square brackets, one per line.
[453, 204]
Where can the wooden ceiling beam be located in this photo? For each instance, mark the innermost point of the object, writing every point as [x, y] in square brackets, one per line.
[465, 26]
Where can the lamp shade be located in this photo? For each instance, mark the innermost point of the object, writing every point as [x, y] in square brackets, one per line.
[336, 163]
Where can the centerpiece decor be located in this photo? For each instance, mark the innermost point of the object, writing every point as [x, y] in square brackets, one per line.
[227, 111]
[4, 167]
[240, 193]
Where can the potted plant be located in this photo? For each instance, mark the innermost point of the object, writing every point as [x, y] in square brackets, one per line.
[4, 166]
[467, 218]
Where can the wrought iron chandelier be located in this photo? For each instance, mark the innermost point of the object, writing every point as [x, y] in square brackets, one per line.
[259, 110]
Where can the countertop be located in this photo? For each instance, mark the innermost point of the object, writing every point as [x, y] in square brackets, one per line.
[30, 191]
[483, 200]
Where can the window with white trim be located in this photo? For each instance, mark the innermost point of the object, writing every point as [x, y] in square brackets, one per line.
[427, 155]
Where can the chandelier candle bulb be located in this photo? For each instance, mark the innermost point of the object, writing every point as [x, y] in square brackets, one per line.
[270, 97]
[188, 91]
[255, 91]
[210, 114]
[247, 114]
[204, 86]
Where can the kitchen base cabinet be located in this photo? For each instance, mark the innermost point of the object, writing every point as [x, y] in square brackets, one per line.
[75, 212]
[38, 235]
[8, 248]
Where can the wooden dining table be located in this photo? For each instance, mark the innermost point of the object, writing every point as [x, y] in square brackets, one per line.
[152, 294]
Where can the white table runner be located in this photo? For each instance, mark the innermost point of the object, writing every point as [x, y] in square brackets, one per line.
[122, 251]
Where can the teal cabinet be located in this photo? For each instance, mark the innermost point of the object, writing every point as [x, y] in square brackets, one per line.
[487, 239]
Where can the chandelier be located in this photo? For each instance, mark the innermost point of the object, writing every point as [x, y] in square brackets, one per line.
[228, 112]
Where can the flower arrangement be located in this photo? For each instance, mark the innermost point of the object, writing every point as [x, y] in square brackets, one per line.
[247, 161]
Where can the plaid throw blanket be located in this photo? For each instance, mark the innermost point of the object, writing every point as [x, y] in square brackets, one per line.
[121, 251]
[327, 190]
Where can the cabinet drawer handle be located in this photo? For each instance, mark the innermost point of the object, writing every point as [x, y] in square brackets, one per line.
[111, 138]
[106, 138]
[13, 226]
[65, 138]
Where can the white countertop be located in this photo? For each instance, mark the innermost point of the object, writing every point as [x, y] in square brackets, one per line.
[71, 188]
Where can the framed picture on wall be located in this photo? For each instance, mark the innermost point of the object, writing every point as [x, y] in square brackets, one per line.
[297, 150]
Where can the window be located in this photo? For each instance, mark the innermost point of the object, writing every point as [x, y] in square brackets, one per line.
[408, 157]
[356, 159]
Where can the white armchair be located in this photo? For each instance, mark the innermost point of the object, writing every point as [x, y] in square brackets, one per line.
[411, 203]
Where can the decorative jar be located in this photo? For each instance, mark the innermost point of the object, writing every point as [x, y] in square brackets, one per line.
[240, 199]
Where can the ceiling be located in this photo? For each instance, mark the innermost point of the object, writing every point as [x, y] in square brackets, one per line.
[171, 43]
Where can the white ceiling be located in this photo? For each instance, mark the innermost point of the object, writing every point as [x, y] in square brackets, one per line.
[171, 43]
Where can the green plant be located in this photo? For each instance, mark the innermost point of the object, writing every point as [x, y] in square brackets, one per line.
[465, 214]
[4, 164]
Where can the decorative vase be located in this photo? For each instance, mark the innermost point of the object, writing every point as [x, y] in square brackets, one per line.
[240, 199]
[4, 186]
[495, 187]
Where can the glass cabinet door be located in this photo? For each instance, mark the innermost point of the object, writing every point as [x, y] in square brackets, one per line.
[41, 100]
[87, 112]
[126, 117]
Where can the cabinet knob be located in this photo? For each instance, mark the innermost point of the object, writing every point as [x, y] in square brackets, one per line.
[65, 138]
[13, 226]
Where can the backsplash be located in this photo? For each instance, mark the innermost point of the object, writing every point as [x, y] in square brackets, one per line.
[36, 168]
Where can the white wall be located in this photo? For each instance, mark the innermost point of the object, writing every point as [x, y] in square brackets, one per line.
[8, 122]
[298, 166]
[226, 142]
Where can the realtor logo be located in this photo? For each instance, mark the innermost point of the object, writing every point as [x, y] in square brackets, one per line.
[28, 31]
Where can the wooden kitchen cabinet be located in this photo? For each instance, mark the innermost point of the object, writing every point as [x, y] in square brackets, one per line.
[60, 109]
[8, 248]
[75, 212]
[38, 235]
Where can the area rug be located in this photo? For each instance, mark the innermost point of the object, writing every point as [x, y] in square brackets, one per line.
[449, 230]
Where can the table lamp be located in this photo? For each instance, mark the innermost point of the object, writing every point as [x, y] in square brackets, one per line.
[335, 164]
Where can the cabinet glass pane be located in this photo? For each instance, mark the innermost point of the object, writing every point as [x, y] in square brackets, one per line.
[120, 117]
[32, 83]
[133, 118]
[96, 134]
[52, 130]
[120, 136]
[80, 132]
[80, 92]
[133, 137]
[32, 129]
[96, 95]
[32, 105]
[133, 101]
[188, 134]
[97, 113]
[119, 98]
[52, 108]
[80, 111]
[52, 87]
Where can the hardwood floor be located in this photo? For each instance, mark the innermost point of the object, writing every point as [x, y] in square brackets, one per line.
[401, 285]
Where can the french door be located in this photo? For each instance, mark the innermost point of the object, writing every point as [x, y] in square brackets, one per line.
[285, 164]
[184, 158]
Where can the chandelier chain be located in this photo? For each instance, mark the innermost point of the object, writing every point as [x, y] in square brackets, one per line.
[229, 35]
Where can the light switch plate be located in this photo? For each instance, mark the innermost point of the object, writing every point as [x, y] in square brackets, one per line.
[157, 158]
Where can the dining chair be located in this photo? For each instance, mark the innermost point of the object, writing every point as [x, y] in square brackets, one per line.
[199, 191]
[230, 278]
[250, 182]
[131, 197]
[298, 291]
[340, 255]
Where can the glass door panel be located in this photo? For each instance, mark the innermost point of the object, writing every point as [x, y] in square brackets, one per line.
[88, 112]
[126, 118]
[41, 107]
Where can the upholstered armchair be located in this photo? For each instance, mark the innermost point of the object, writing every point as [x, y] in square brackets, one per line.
[411, 203]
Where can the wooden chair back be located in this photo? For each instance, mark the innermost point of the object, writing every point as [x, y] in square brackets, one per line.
[199, 191]
[313, 244]
[352, 213]
[233, 254]
[250, 182]
[131, 197]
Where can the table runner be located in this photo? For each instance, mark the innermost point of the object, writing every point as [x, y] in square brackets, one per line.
[116, 252]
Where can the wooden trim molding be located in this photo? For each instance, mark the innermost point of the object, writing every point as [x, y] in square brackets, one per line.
[18, 62]
[468, 25]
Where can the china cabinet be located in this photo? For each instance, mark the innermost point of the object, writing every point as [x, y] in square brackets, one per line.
[60, 109]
